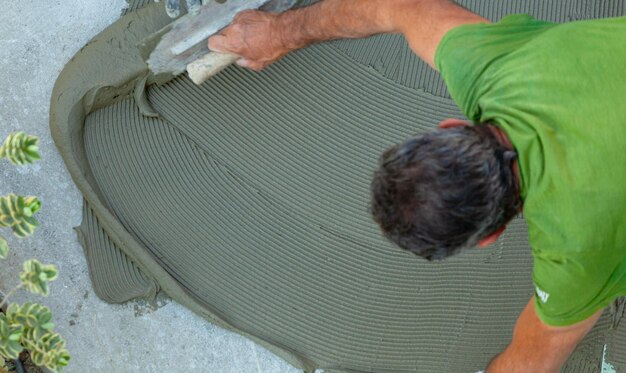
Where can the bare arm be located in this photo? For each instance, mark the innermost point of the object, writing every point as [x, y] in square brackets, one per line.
[262, 38]
[537, 347]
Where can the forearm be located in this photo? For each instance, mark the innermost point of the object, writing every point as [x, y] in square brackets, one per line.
[340, 19]
[422, 22]
[537, 347]
[262, 38]
[514, 362]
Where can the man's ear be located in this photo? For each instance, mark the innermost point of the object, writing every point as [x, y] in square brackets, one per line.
[452, 122]
[492, 238]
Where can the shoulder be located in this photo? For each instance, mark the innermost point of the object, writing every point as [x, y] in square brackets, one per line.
[425, 32]
[486, 39]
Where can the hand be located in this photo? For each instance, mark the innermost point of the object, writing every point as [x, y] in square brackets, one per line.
[255, 36]
[172, 7]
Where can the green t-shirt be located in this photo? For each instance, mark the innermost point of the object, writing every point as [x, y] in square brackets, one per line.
[559, 92]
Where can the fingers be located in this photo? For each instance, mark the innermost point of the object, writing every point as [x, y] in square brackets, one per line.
[252, 65]
[243, 62]
[249, 36]
[172, 7]
[220, 43]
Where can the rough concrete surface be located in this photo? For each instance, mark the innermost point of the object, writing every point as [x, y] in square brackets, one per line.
[37, 38]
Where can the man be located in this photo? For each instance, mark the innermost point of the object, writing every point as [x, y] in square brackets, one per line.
[549, 104]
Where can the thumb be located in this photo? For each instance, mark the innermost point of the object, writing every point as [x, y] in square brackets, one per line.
[219, 43]
[252, 65]
[244, 63]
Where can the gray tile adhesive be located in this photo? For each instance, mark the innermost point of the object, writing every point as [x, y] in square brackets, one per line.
[246, 200]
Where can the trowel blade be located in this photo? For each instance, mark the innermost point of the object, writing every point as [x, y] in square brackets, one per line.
[183, 41]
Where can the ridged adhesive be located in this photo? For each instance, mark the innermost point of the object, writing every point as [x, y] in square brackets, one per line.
[247, 201]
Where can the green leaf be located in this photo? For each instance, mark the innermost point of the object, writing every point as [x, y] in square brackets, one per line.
[34, 317]
[20, 205]
[51, 273]
[35, 276]
[33, 203]
[31, 324]
[15, 337]
[20, 148]
[4, 248]
[3, 366]
[37, 357]
[5, 207]
[16, 212]
[13, 307]
[10, 334]
[48, 350]
[33, 152]
[22, 230]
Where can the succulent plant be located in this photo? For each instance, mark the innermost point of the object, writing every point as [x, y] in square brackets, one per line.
[20, 148]
[34, 318]
[28, 326]
[17, 212]
[48, 350]
[10, 335]
[35, 276]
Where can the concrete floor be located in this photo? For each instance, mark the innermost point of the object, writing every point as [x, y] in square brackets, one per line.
[37, 38]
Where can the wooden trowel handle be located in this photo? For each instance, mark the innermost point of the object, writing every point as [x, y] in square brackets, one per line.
[209, 65]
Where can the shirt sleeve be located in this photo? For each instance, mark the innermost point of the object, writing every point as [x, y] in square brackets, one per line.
[569, 290]
[468, 56]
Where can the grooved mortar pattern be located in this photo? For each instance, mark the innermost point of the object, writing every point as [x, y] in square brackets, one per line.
[247, 200]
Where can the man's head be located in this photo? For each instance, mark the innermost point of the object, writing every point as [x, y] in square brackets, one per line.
[446, 190]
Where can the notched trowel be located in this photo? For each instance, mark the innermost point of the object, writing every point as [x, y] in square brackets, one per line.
[182, 45]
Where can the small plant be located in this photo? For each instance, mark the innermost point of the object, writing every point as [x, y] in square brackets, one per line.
[17, 212]
[29, 326]
[20, 148]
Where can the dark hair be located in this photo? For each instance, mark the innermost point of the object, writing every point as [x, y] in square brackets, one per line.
[443, 191]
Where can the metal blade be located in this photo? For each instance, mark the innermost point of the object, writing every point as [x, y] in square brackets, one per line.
[184, 40]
